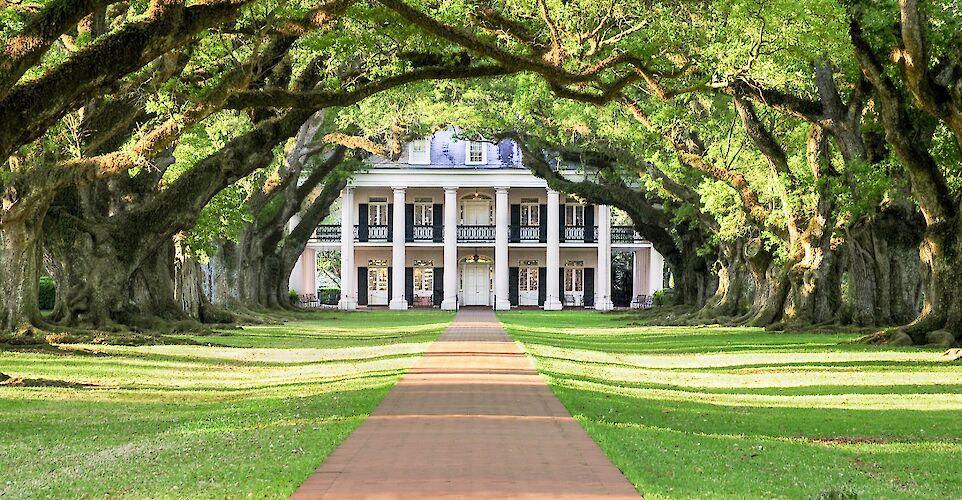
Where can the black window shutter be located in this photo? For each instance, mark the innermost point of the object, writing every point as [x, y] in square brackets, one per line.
[362, 222]
[515, 230]
[562, 223]
[589, 287]
[362, 285]
[542, 287]
[589, 223]
[409, 285]
[543, 223]
[390, 284]
[390, 222]
[409, 222]
[438, 219]
[561, 285]
[438, 285]
[513, 285]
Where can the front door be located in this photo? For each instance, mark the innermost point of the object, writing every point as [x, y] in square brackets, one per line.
[476, 282]
[528, 286]
[377, 292]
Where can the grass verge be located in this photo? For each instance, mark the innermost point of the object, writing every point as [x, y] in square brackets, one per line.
[710, 412]
[250, 412]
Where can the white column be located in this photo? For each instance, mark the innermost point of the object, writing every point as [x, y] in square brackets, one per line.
[398, 302]
[450, 302]
[294, 281]
[639, 276]
[603, 280]
[501, 216]
[348, 300]
[552, 301]
[656, 270]
[309, 279]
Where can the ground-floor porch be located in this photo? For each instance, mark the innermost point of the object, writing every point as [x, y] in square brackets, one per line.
[579, 281]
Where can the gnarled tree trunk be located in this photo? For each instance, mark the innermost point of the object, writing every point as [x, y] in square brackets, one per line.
[20, 261]
[732, 294]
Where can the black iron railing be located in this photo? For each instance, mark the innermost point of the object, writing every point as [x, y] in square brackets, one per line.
[377, 233]
[423, 233]
[328, 233]
[574, 233]
[475, 234]
[625, 234]
[331, 233]
[524, 234]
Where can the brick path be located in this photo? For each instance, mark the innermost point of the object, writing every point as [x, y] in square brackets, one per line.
[471, 419]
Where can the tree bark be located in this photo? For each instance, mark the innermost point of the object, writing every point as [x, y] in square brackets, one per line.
[732, 294]
[20, 261]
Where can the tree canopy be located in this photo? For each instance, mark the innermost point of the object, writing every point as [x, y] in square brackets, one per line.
[797, 162]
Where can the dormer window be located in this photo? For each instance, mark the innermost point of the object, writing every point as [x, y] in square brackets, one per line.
[475, 153]
[419, 151]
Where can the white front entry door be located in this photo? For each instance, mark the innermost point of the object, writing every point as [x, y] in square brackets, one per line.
[377, 292]
[476, 280]
[528, 286]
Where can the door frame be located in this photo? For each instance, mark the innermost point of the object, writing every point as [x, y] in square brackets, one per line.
[377, 297]
[465, 266]
[529, 297]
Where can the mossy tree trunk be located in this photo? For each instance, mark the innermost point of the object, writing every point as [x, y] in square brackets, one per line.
[20, 261]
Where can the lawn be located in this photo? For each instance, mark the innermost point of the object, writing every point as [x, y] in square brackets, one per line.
[251, 414]
[716, 412]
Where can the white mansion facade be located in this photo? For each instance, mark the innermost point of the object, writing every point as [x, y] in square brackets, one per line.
[456, 222]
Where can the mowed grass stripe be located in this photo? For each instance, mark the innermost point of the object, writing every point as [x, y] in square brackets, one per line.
[176, 421]
[713, 412]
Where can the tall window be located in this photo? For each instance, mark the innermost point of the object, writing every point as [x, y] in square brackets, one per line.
[530, 212]
[377, 212]
[420, 152]
[574, 276]
[574, 214]
[423, 277]
[475, 153]
[423, 211]
[528, 279]
[377, 275]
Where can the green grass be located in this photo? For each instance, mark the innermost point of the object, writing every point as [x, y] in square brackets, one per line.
[252, 414]
[713, 412]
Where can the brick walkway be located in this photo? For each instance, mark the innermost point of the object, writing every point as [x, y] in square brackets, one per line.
[472, 419]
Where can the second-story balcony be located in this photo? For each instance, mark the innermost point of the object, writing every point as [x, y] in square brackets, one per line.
[625, 234]
[476, 234]
[331, 233]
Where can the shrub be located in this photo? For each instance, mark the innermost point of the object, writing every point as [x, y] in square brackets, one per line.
[660, 297]
[48, 293]
[329, 296]
[292, 295]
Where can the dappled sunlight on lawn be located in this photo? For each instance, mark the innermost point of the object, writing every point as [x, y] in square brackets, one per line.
[741, 412]
[201, 420]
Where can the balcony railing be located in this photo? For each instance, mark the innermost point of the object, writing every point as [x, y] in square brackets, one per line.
[574, 233]
[525, 234]
[331, 233]
[376, 233]
[625, 234]
[328, 233]
[475, 234]
[423, 233]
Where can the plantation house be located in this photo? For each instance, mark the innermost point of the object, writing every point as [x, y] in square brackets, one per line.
[455, 222]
